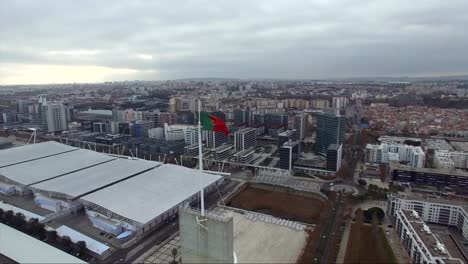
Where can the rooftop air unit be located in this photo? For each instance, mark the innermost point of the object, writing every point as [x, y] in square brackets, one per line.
[426, 229]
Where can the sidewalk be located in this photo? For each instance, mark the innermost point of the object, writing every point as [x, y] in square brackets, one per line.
[344, 243]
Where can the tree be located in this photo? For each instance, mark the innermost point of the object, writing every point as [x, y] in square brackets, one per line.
[35, 228]
[2, 213]
[66, 243]
[369, 213]
[174, 253]
[383, 172]
[359, 218]
[80, 248]
[343, 172]
[19, 221]
[8, 218]
[51, 236]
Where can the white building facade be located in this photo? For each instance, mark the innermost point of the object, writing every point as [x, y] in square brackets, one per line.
[245, 138]
[385, 153]
[432, 210]
[418, 240]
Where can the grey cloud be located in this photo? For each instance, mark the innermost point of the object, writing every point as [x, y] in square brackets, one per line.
[285, 39]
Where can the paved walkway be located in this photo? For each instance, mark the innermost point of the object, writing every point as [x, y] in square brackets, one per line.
[397, 247]
[161, 253]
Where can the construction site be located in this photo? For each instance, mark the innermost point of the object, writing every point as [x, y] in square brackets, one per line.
[277, 201]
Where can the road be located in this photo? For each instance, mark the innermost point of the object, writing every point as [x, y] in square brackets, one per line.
[326, 239]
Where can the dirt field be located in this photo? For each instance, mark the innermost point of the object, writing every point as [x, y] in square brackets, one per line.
[365, 246]
[279, 204]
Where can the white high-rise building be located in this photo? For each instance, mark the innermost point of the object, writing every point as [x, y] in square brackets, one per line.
[53, 116]
[245, 138]
[374, 153]
[214, 139]
[156, 133]
[385, 153]
[188, 133]
[417, 157]
[339, 102]
[460, 159]
[443, 161]
[191, 135]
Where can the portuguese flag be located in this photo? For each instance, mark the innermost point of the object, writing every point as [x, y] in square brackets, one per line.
[212, 123]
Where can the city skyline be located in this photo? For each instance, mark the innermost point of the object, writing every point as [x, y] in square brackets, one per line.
[76, 42]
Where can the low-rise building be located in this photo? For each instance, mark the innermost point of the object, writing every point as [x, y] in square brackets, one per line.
[223, 152]
[428, 176]
[419, 242]
[432, 209]
[245, 156]
[191, 150]
[385, 153]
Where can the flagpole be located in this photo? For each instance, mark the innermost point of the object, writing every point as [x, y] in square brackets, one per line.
[200, 159]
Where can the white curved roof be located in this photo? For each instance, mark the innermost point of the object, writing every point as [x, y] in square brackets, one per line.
[45, 168]
[86, 180]
[31, 151]
[152, 193]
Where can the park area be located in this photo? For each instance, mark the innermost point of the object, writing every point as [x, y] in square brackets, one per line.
[368, 244]
[280, 204]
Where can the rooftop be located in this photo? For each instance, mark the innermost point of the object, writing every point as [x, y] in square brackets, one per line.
[26, 249]
[5, 142]
[438, 144]
[334, 147]
[223, 148]
[286, 133]
[54, 166]
[432, 243]
[75, 236]
[87, 180]
[247, 129]
[31, 151]
[244, 152]
[390, 139]
[97, 112]
[153, 192]
[290, 144]
[456, 172]
[460, 145]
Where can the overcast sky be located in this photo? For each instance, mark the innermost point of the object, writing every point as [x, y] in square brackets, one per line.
[93, 41]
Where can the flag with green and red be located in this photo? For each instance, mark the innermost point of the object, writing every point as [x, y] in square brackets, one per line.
[213, 123]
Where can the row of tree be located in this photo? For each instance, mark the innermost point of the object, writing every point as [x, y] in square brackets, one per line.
[374, 192]
[36, 229]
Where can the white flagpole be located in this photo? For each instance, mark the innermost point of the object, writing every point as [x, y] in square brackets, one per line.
[200, 159]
